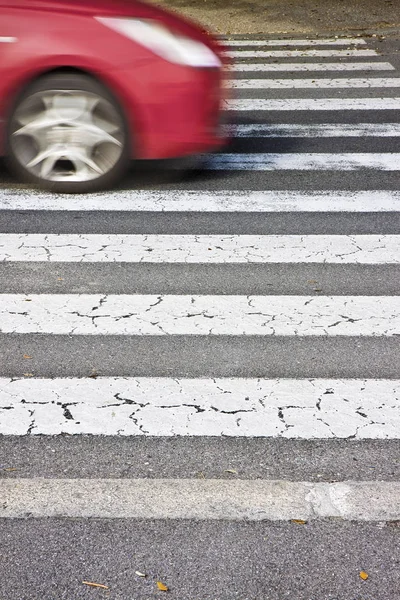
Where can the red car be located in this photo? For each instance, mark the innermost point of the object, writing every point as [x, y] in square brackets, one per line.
[88, 85]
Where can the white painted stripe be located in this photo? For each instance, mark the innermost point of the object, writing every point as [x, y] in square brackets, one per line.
[204, 201]
[316, 84]
[209, 499]
[349, 161]
[8, 40]
[87, 314]
[293, 104]
[325, 67]
[342, 249]
[261, 130]
[299, 53]
[289, 408]
[301, 42]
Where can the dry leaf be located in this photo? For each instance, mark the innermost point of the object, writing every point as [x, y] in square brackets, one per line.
[60, 279]
[97, 585]
[364, 575]
[139, 574]
[299, 521]
[9, 469]
[28, 374]
[233, 471]
[27, 356]
[161, 586]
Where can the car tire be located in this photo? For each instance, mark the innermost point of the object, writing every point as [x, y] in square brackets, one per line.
[68, 134]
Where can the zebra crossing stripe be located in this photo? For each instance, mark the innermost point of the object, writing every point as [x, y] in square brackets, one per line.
[203, 249]
[325, 67]
[261, 130]
[94, 314]
[205, 201]
[208, 499]
[313, 104]
[301, 42]
[350, 161]
[359, 53]
[283, 84]
[159, 406]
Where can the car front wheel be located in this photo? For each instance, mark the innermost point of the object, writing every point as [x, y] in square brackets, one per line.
[68, 134]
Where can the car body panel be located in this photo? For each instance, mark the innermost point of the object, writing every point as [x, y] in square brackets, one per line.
[171, 109]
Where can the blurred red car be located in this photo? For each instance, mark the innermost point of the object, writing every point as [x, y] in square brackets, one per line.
[87, 85]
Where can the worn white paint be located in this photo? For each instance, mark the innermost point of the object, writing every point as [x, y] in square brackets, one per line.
[204, 201]
[297, 42]
[289, 408]
[208, 499]
[8, 40]
[261, 130]
[314, 84]
[94, 314]
[342, 249]
[305, 67]
[294, 104]
[302, 161]
[336, 53]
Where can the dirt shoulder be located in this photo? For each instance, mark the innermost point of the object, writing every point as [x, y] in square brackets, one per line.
[291, 16]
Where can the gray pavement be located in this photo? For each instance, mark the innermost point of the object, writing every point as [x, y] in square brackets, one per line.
[198, 457]
[50, 558]
[282, 279]
[200, 356]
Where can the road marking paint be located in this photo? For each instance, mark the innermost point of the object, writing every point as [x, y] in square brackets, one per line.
[204, 201]
[349, 161]
[282, 84]
[336, 53]
[294, 104]
[95, 314]
[8, 40]
[261, 130]
[301, 42]
[325, 67]
[238, 500]
[161, 406]
[103, 248]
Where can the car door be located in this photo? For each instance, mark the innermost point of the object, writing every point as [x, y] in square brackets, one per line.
[9, 38]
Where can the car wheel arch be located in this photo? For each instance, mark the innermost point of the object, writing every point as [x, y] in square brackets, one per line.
[19, 88]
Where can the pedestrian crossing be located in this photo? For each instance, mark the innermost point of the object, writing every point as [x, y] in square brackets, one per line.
[214, 201]
[313, 104]
[357, 130]
[307, 161]
[359, 53]
[214, 357]
[300, 42]
[88, 314]
[345, 83]
[200, 249]
[154, 406]
[325, 67]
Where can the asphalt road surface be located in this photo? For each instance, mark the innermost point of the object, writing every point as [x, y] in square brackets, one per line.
[200, 375]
